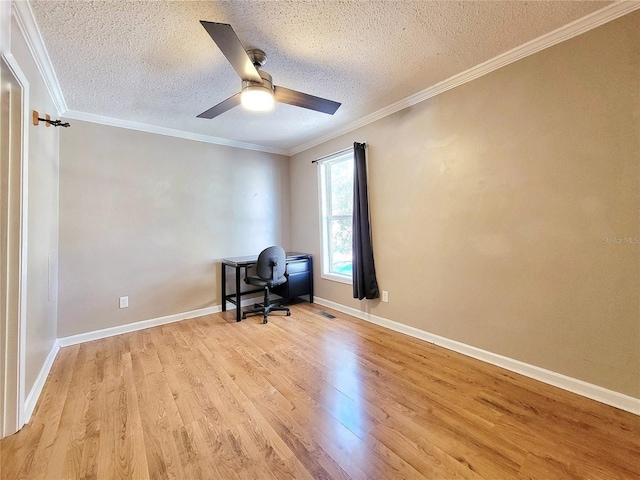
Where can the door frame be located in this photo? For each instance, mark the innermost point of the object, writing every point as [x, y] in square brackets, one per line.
[12, 374]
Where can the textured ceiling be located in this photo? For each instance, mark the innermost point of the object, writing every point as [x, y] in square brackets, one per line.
[153, 63]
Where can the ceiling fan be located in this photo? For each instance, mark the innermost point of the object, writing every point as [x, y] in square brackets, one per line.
[258, 91]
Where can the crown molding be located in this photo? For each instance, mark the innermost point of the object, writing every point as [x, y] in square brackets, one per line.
[170, 132]
[26, 22]
[573, 29]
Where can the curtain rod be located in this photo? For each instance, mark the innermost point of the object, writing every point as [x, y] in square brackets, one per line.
[335, 153]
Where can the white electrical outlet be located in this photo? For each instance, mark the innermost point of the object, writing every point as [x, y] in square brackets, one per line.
[124, 302]
[385, 296]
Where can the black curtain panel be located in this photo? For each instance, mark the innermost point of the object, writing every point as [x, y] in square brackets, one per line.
[365, 284]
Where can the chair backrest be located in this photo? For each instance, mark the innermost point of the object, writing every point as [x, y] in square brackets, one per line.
[272, 257]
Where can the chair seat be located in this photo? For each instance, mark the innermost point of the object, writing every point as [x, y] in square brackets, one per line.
[261, 282]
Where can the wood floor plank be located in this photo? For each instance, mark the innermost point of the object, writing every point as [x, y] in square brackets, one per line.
[306, 397]
[78, 412]
[106, 455]
[91, 421]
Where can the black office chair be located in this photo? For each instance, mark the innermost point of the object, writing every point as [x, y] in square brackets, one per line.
[270, 269]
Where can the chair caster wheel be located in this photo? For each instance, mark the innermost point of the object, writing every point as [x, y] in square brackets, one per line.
[265, 320]
[288, 314]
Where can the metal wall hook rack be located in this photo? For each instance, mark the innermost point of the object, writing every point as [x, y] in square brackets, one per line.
[48, 121]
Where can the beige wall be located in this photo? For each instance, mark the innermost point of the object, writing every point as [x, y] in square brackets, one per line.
[150, 216]
[490, 203]
[42, 248]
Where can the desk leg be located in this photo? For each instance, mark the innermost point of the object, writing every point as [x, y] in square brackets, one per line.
[310, 280]
[238, 296]
[223, 282]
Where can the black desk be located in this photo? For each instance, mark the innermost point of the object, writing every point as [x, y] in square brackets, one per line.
[299, 279]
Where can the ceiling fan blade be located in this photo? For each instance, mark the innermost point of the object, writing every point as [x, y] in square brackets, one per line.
[304, 100]
[227, 41]
[222, 107]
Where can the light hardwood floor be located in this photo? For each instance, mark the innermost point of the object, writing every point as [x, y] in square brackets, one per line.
[306, 397]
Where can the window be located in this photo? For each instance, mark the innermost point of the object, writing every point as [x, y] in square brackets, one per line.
[336, 192]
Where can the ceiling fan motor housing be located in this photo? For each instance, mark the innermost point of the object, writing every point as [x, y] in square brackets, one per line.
[257, 57]
[267, 82]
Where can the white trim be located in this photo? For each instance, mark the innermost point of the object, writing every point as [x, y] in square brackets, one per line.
[324, 185]
[170, 132]
[36, 390]
[154, 322]
[334, 277]
[134, 327]
[31, 33]
[589, 390]
[23, 208]
[566, 32]
[24, 230]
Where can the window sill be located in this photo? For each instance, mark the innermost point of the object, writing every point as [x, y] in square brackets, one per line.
[337, 278]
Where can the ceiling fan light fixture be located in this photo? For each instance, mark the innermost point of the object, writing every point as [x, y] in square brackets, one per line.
[258, 97]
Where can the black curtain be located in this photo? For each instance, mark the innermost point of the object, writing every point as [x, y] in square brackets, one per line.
[365, 284]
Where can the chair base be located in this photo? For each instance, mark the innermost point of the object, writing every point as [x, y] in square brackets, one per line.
[265, 308]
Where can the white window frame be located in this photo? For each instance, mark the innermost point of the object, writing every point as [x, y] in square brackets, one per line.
[324, 218]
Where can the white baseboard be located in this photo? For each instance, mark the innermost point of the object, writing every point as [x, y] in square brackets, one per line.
[594, 392]
[34, 394]
[134, 327]
[36, 390]
[153, 322]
